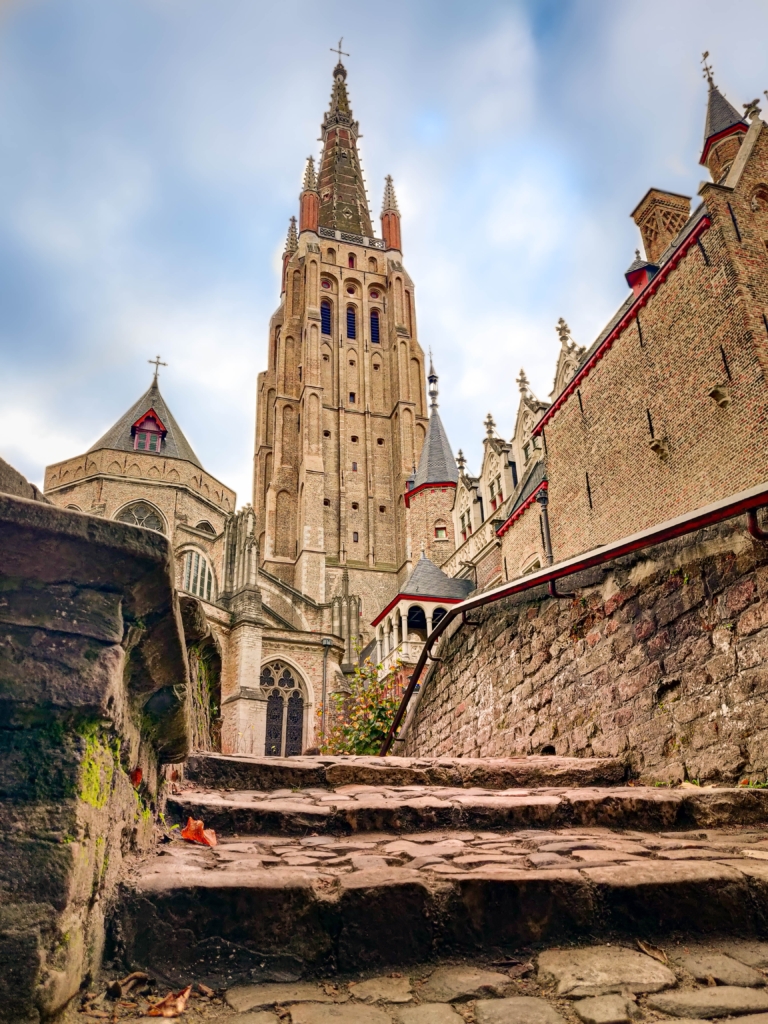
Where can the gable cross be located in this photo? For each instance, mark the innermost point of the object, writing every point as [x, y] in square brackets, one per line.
[157, 363]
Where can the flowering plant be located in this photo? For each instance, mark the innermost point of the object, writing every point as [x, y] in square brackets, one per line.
[359, 720]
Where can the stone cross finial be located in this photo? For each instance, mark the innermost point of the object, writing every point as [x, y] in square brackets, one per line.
[157, 364]
[563, 331]
[522, 383]
[460, 460]
[752, 109]
[490, 425]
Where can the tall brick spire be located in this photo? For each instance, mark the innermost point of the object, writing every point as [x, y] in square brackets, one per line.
[390, 217]
[343, 203]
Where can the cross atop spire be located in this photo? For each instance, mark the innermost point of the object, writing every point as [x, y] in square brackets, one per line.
[460, 460]
[338, 50]
[157, 363]
[563, 332]
[490, 425]
[522, 383]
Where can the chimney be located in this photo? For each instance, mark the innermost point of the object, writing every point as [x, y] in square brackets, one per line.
[660, 217]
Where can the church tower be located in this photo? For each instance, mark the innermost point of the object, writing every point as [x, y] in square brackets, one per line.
[341, 411]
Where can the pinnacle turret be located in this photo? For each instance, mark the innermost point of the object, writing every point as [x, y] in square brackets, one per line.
[310, 178]
[432, 379]
[390, 199]
[292, 241]
[722, 122]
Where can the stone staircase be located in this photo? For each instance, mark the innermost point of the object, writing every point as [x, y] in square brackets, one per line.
[340, 864]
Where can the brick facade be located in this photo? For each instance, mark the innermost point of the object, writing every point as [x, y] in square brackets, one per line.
[663, 659]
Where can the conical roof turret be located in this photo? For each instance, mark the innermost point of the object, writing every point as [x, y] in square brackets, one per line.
[292, 240]
[436, 462]
[343, 202]
[722, 118]
[310, 178]
[121, 437]
[390, 199]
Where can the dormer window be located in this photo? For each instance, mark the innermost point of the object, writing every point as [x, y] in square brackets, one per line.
[148, 433]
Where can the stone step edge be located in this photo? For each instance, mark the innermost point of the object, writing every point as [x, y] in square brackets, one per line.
[378, 918]
[618, 808]
[267, 773]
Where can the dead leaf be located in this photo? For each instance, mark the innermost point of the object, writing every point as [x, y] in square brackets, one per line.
[173, 1005]
[650, 950]
[520, 970]
[196, 833]
[205, 990]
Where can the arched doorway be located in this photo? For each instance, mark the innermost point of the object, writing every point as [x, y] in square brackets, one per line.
[284, 735]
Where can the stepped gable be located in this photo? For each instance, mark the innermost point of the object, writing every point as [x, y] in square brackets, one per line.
[175, 444]
[427, 580]
[343, 202]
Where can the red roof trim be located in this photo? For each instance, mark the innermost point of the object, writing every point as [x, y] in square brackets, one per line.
[650, 289]
[730, 130]
[155, 417]
[422, 487]
[519, 511]
[414, 597]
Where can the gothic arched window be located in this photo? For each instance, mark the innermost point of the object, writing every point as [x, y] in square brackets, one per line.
[351, 322]
[141, 514]
[198, 576]
[351, 261]
[325, 316]
[375, 326]
[285, 711]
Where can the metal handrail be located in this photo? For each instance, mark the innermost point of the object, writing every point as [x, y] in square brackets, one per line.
[745, 501]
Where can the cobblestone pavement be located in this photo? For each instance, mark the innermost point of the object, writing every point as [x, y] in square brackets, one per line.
[605, 984]
[448, 852]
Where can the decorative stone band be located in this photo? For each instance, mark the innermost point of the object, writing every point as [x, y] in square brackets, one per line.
[607, 344]
[519, 511]
[347, 236]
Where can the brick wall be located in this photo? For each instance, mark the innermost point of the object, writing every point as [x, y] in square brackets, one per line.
[704, 327]
[661, 658]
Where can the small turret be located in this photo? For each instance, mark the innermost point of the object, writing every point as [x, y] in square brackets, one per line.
[724, 130]
[309, 204]
[291, 245]
[432, 384]
[390, 217]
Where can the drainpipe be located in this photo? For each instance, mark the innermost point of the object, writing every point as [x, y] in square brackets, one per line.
[327, 644]
[543, 499]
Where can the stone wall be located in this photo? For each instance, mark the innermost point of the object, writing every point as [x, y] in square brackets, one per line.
[660, 657]
[93, 699]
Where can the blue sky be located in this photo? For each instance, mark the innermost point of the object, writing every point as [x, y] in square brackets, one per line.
[151, 153]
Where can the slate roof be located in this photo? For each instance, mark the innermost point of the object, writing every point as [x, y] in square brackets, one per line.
[427, 580]
[175, 445]
[720, 114]
[436, 462]
[536, 474]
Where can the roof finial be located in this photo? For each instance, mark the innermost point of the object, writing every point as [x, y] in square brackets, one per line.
[310, 178]
[292, 241]
[564, 332]
[338, 50]
[752, 109]
[157, 363]
[460, 460]
[522, 383]
[490, 425]
[432, 383]
[390, 199]
[423, 550]
[708, 71]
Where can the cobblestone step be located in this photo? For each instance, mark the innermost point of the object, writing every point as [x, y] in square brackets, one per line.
[358, 808]
[279, 908]
[224, 771]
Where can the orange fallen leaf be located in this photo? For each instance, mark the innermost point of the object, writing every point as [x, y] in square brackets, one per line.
[174, 1004]
[196, 833]
[136, 776]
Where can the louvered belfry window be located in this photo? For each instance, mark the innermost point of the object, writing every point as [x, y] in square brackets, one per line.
[325, 317]
[351, 322]
[375, 326]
